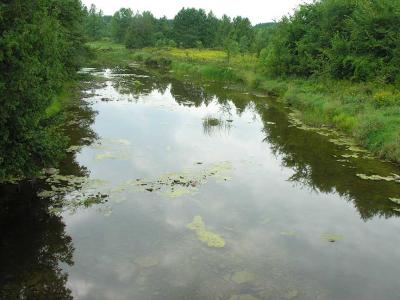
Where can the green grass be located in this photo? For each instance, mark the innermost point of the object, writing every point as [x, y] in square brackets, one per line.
[64, 96]
[368, 112]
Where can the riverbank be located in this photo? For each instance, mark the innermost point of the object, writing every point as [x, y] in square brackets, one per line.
[367, 112]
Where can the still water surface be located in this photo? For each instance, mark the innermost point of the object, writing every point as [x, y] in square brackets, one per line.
[297, 221]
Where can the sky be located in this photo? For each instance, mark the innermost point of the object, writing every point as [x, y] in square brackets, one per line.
[257, 11]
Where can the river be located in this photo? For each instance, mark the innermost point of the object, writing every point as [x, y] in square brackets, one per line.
[176, 190]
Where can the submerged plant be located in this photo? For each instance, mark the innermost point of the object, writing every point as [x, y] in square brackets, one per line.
[210, 124]
[241, 277]
[207, 237]
[331, 237]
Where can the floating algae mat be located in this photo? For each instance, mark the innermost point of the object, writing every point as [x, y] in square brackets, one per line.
[209, 238]
[331, 237]
[241, 277]
[395, 200]
[178, 184]
[393, 177]
[72, 192]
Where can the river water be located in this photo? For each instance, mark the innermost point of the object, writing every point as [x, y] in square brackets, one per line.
[176, 190]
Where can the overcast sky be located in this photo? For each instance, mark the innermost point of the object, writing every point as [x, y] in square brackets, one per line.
[257, 11]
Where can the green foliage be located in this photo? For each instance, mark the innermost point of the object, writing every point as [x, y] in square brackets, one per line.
[231, 48]
[95, 24]
[344, 39]
[190, 26]
[120, 24]
[141, 32]
[41, 45]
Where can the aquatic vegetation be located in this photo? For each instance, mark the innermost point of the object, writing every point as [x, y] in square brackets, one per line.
[350, 155]
[394, 177]
[46, 194]
[104, 156]
[123, 142]
[331, 237]
[211, 121]
[178, 184]
[241, 277]
[147, 261]
[178, 192]
[289, 295]
[288, 233]
[71, 192]
[395, 200]
[73, 149]
[243, 297]
[207, 237]
[211, 124]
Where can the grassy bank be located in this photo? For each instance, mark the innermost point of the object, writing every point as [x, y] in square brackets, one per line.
[368, 112]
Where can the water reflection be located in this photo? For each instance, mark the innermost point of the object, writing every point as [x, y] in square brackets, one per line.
[33, 247]
[316, 163]
[287, 190]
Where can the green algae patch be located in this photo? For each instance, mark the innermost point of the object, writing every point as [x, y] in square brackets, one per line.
[112, 155]
[207, 237]
[288, 233]
[70, 192]
[243, 297]
[292, 294]
[104, 156]
[331, 237]
[393, 177]
[73, 149]
[241, 277]
[350, 155]
[395, 200]
[178, 192]
[147, 261]
[174, 185]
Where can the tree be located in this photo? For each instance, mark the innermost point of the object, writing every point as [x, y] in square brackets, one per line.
[40, 46]
[190, 26]
[120, 23]
[345, 39]
[231, 48]
[141, 31]
[223, 31]
[95, 25]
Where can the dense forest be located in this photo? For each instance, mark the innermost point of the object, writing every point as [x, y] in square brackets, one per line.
[42, 45]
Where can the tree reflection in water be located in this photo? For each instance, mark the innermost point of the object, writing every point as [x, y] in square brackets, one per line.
[33, 244]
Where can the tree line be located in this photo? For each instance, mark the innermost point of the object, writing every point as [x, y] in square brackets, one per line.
[190, 28]
[342, 39]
